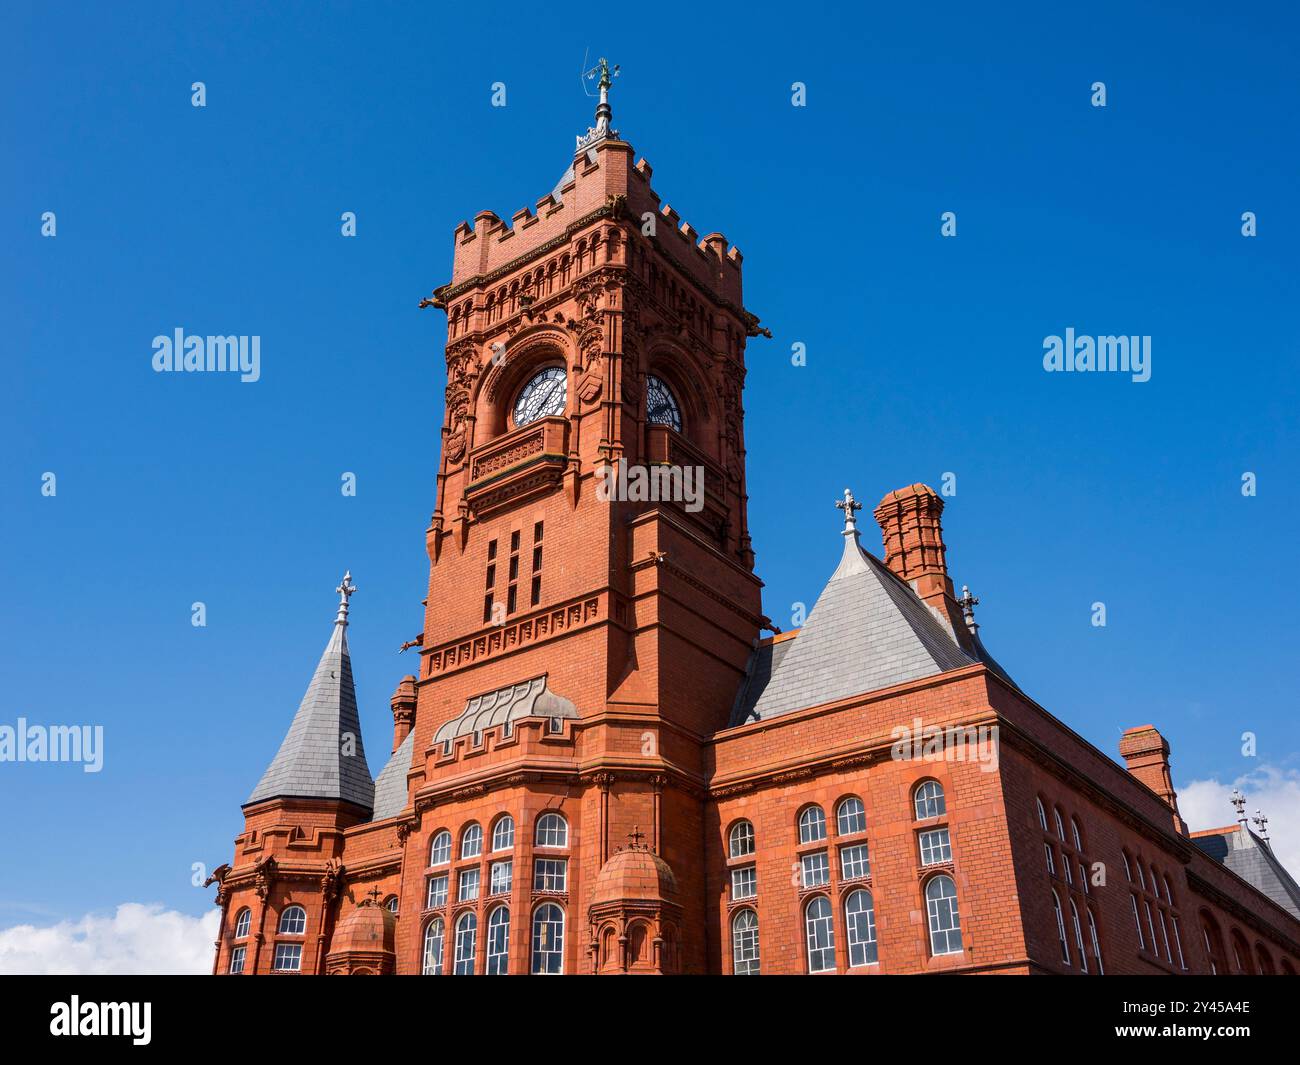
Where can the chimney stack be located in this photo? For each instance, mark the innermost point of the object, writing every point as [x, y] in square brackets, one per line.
[914, 549]
[1146, 753]
[403, 703]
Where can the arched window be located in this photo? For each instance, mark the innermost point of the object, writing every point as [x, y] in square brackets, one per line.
[1169, 892]
[433, 936]
[1078, 936]
[552, 831]
[242, 921]
[851, 816]
[1078, 836]
[744, 943]
[1060, 825]
[661, 405]
[819, 925]
[293, 921]
[1241, 954]
[860, 917]
[498, 942]
[1213, 943]
[929, 801]
[741, 841]
[548, 940]
[466, 944]
[471, 841]
[812, 825]
[945, 920]
[1060, 929]
[1042, 814]
[1096, 944]
[440, 848]
[1128, 869]
[390, 904]
[503, 833]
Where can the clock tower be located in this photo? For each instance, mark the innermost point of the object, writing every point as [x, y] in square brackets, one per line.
[591, 601]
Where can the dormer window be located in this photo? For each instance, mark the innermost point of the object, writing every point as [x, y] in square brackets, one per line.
[544, 396]
[661, 405]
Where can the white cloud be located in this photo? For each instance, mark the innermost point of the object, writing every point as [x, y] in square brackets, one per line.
[137, 939]
[1204, 804]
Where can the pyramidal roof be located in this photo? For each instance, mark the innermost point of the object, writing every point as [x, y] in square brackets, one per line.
[867, 631]
[1252, 859]
[322, 756]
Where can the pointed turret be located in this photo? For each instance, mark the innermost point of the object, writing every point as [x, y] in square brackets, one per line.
[322, 756]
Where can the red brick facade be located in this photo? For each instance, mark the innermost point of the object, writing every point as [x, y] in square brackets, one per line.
[643, 616]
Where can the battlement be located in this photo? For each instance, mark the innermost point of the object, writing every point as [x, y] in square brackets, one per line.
[601, 176]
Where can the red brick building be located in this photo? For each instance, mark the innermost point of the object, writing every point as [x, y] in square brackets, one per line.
[604, 765]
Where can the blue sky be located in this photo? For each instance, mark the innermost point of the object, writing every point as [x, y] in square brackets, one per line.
[924, 354]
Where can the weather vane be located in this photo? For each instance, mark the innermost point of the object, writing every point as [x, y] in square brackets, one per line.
[604, 112]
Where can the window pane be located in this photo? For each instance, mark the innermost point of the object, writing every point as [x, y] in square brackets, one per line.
[815, 869]
[498, 942]
[935, 847]
[820, 930]
[466, 942]
[861, 915]
[854, 862]
[744, 883]
[742, 839]
[852, 816]
[548, 940]
[744, 944]
[503, 834]
[432, 965]
[551, 874]
[945, 921]
[930, 801]
[437, 895]
[812, 825]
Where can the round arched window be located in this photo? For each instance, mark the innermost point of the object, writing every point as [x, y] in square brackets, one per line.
[545, 395]
[661, 405]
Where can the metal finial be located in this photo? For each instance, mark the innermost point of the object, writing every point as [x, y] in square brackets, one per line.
[604, 113]
[1261, 823]
[968, 603]
[1238, 800]
[848, 504]
[636, 836]
[345, 590]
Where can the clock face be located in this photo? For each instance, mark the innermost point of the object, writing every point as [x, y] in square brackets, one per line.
[661, 405]
[543, 396]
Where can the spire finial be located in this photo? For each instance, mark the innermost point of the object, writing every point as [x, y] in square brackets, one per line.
[848, 504]
[1238, 801]
[636, 836]
[968, 603]
[604, 113]
[345, 590]
[1261, 824]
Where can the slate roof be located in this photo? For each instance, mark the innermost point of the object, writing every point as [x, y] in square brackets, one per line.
[1251, 858]
[390, 785]
[867, 631]
[505, 706]
[311, 762]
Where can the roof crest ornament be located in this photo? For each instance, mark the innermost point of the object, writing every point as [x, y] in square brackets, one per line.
[346, 589]
[1238, 801]
[848, 504]
[968, 603]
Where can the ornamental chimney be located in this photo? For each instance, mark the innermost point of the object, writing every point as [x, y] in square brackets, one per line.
[403, 704]
[1146, 753]
[914, 549]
